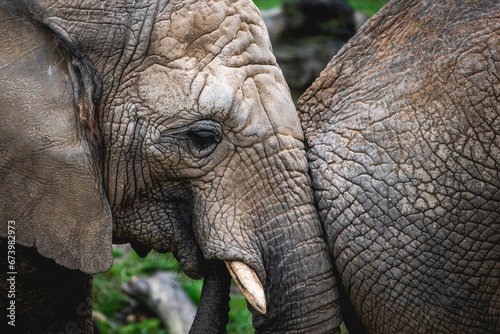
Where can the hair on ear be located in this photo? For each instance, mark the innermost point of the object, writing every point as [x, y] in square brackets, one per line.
[87, 89]
[87, 94]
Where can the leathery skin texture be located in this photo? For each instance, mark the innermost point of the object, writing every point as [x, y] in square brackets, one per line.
[197, 150]
[403, 135]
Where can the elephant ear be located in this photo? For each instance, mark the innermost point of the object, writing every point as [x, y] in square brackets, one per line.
[51, 188]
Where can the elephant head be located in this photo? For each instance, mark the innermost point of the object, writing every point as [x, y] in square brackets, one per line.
[403, 129]
[185, 140]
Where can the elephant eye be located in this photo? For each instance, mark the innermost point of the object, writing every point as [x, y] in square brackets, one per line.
[203, 137]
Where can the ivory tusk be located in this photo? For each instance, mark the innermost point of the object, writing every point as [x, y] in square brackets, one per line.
[247, 281]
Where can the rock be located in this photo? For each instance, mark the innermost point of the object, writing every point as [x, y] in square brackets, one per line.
[306, 34]
[164, 295]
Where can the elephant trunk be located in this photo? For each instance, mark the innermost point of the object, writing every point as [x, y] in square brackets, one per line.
[265, 222]
[299, 286]
[212, 315]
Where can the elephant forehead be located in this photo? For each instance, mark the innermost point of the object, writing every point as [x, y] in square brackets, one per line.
[214, 59]
[182, 93]
[252, 100]
[204, 30]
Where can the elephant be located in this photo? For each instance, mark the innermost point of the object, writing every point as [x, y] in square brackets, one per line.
[167, 125]
[403, 140]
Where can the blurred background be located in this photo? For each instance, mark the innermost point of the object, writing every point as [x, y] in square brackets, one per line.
[152, 295]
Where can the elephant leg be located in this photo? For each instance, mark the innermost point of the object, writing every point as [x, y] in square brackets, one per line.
[212, 315]
[64, 295]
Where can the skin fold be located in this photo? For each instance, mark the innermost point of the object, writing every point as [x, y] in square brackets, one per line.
[171, 128]
[403, 135]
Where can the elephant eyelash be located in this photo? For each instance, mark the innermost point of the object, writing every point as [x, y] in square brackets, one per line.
[199, 139]
[201, 144]
[204, 133]
[203, 139]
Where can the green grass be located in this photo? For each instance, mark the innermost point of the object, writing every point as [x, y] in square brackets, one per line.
[367, 7]
[109, 301]
[267, 4]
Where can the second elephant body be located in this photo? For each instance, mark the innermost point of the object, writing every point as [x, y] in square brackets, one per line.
[403, 129]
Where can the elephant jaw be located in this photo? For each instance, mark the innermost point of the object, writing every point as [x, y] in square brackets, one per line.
[249, 284]
[245, 278]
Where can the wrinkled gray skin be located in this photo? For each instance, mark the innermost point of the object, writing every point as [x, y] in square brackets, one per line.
[169, 124]
[403, 129]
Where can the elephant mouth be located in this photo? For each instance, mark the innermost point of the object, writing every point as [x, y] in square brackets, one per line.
[141, 249]
[195, 264]
[245, 278]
